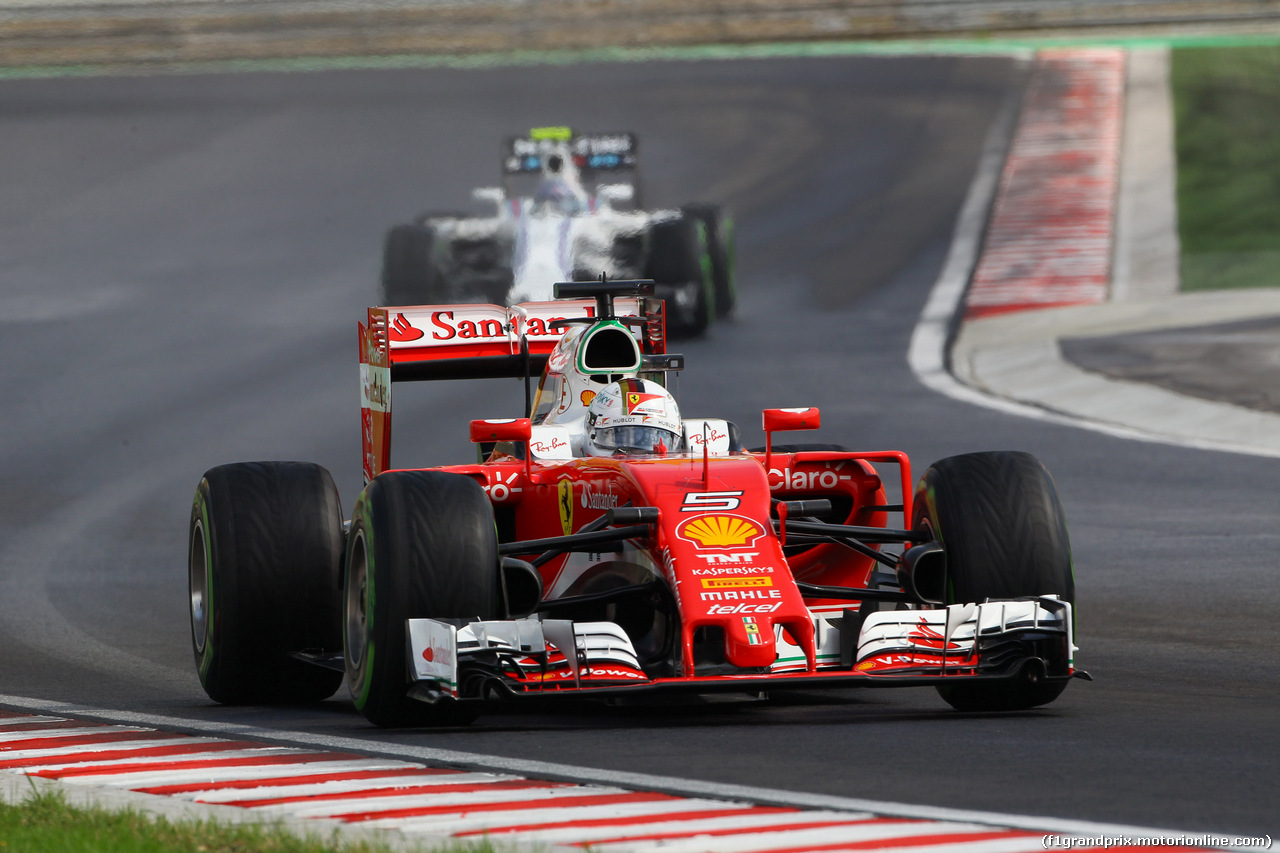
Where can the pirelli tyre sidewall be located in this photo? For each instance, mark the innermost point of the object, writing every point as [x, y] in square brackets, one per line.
[1001, 522]
[422, 544]
[264, 558]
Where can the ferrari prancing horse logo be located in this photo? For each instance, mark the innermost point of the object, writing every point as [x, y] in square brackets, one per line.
[565, 502]
[635, 400]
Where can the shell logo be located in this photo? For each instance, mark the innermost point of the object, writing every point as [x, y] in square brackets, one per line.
[720, 531]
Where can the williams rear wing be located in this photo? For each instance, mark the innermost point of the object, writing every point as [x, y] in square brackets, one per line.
[591, 152]
[471, 341]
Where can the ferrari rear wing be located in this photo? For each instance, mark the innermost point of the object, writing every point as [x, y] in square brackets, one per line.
[472, 341]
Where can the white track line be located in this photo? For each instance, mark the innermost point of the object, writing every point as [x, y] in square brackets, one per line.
[931, 338]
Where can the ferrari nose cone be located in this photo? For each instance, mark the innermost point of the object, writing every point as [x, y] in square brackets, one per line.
[749, 642]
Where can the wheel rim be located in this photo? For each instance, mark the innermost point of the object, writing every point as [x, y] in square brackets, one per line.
[356, 604]
[198, 582]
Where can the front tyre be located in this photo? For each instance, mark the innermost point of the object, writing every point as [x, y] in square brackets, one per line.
[422, 544]
[264, 553]
[999, 517]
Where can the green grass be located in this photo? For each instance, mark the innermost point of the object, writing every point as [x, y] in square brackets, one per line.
[1227, 108]
[45, 823]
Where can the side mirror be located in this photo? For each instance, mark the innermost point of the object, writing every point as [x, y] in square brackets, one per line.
[778, 420]
[505, 429]
[496, 195]
[612, 194]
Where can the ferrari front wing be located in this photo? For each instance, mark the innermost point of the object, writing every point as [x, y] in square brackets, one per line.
[534, 657]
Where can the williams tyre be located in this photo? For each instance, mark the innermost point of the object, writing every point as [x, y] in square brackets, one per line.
[409, 272]
[677, 248]
[720, 254]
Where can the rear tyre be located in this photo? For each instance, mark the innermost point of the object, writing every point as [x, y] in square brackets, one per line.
[999, 517]
[264, 562]
[422, 544]
[718, 228]
[479, 269]
[677, 248]
[409, 272]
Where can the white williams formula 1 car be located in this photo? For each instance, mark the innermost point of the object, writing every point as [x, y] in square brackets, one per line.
[568, 210]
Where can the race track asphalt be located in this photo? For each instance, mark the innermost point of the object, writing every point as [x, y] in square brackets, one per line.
[183, 260]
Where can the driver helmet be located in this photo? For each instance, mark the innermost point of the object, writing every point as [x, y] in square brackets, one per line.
[556, 191]
[633, 417]
[559, 196]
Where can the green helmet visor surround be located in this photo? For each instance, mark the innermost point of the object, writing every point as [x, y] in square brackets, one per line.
[608, 347]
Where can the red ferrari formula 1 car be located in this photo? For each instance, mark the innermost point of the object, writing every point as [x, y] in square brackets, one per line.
[608, 546]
